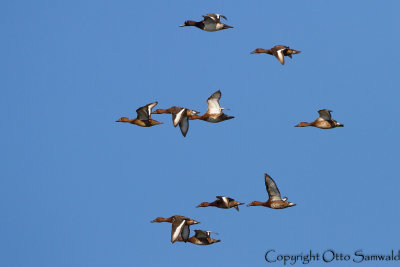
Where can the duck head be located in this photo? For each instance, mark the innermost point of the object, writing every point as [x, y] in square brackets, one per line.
[188, 23]
[123, 119]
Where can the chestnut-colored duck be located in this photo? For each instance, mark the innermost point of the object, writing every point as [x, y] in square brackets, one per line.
[201, 238]
[210, 23]
[324, 121]
[214, 113]
[143, 118]
[179, 116]
[279, 51]
[222, 203]
[180, 226]
[275, 200]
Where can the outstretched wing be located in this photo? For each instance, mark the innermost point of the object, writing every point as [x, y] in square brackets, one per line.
[144, 113]
[185, 233]
[216, 17]
[325, 114]
[177, 116]
[184, 126]
[272, 189]
[213, 103]
[177, 228]
[280, 56]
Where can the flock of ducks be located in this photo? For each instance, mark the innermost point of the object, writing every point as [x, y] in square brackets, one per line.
[181, 116]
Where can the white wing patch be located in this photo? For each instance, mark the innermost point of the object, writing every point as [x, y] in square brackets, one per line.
[178, 117]
[280, 56]
[226, 201]
[150, 107]
[177, 232]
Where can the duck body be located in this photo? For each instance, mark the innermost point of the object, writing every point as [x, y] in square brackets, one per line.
[201, 238]
[210, 23]
[275, 201]
[180, 116]
[143, 118]
[180, 226]
[279, 51]
[324, 121]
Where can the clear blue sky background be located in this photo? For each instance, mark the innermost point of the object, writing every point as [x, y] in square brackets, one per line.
[78, 189]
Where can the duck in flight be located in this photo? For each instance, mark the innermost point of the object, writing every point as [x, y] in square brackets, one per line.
[222, 203]
[180, 226]
[324, 121]
[210, 23]
[279, 51]
[201, 238]
[143, 118]
[180, 116]
[275, 201]
[214, 113]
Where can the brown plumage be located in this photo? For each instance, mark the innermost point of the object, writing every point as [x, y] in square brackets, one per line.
[324, 121]
[201, 238]
[214, 113]
[279, 51]
[180, 226]
[222, 203]
[143, 118]
[275, 200]
[180, 116]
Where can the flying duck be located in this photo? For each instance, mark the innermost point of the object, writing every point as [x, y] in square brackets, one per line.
[279, 51]
[201, 238]
[143, 118]
[179, 116]
[324, 121]
[222, 203]
[275, 201]
[210, 23]
[180, 226]
[214, 113]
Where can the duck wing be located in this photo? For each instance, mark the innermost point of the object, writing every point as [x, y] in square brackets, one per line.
[216, 17]
[177, 115]
[185, 233]
[213, 103]
[325, 114]
[184, 125]
[178, 225]
[144, 113]
[272, 189]
[225, 200]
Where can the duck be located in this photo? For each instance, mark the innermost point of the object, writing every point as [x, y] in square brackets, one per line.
[210, 23]
[279, 51]
[201, 237]
[180, 226]
[324, 121]
[180, 116]
[275, 201]
[222, 203]
[143, 118]
[214, 113]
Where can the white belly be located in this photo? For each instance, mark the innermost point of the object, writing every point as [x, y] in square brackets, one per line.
[212, 27]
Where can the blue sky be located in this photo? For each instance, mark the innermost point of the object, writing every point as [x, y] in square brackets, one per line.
[78, 189]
